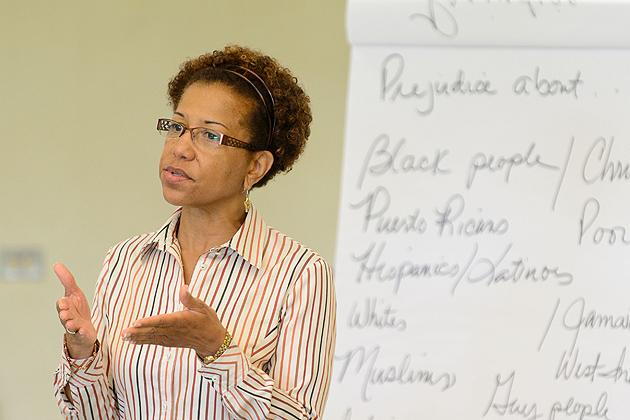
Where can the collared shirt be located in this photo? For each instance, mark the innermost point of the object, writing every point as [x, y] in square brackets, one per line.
[276, 298]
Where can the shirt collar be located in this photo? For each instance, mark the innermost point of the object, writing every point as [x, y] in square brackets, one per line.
[249, 241]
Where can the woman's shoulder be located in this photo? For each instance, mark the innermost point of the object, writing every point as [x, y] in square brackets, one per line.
[282, 246]
[134, 244]
[160, 238]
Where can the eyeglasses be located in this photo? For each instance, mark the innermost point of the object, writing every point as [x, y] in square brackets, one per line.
[200, 135]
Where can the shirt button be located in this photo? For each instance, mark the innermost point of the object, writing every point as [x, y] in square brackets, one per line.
[203, 266]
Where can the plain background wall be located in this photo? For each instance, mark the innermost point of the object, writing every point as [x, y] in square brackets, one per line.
[82, 84]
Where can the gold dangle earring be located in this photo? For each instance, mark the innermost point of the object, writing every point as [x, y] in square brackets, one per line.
[247, 203]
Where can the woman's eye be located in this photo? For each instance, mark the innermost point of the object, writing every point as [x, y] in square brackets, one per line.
[210, 135]
[175, 128]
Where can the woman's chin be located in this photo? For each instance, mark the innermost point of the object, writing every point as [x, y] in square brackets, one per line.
[174, 199]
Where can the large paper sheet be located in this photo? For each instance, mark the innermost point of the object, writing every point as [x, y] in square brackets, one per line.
[483, 263]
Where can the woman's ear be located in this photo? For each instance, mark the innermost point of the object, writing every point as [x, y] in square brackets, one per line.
[259, 165]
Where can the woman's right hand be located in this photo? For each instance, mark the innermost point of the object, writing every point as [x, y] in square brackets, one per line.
[74, 313]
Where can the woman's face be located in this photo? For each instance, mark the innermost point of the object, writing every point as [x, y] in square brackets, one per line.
[194, 175]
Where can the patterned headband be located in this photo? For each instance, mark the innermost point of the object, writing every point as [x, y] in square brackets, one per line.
[263, 92]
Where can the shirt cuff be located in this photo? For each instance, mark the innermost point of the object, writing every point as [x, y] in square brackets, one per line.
[228, 370]
[80, 372]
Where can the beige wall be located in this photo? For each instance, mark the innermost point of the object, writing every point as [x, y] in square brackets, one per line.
[81, 86]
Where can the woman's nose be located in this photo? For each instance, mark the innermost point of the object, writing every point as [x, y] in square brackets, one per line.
[183, 147]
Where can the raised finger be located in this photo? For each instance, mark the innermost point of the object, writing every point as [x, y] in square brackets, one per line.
[66, 278]
[191, 302]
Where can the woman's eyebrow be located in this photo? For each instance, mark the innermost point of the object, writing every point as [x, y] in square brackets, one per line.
[205, 121]
[214, 122]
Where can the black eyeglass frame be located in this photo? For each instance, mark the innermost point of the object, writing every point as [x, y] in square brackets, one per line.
[224, 139]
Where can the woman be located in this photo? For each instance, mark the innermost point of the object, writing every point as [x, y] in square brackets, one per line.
[215, 315]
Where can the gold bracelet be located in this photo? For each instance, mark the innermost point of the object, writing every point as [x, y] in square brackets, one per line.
[226, 343]
[95, 349]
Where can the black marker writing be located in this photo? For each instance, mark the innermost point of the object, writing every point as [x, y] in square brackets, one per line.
[393, 88]
[440, 19]
[348, 416]
[490, 272]
[610, 235]
[573, 407]
[372, 268]
[478, 270]
[526, 85]
[376, 205]
[490, 163]
[504, 404]
[598, 166]
[380, 160]
[443, 21]
[449, 222]
[563, 173]
[365, 363]
[576, 319]
[375, 314]
[573, 366]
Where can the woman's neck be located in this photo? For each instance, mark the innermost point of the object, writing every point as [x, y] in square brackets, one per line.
[200, 230]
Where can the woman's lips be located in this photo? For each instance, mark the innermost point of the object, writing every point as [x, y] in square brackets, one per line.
[174, 175]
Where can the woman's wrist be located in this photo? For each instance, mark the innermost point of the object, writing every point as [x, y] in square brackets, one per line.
[79, 351]
[211, 357]
[87, 360]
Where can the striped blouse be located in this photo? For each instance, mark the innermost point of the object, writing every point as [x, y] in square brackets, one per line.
[276, 298]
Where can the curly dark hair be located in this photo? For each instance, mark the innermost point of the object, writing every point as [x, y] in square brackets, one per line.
[292, 110]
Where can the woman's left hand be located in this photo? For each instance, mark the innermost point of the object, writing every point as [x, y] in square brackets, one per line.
[196, 327]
